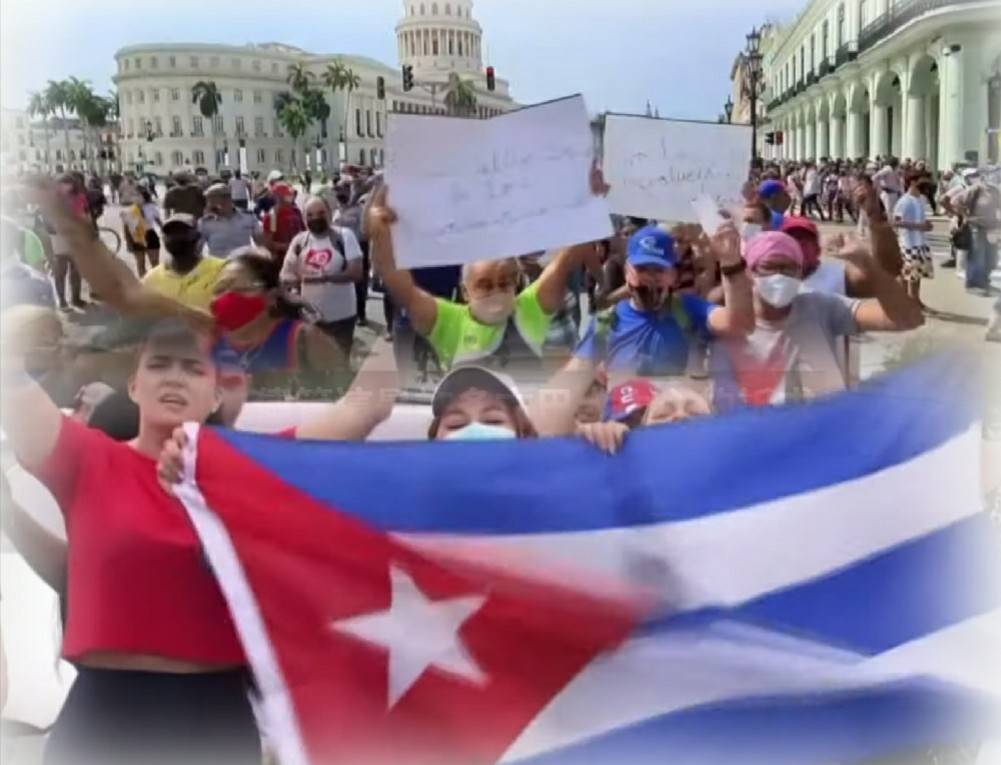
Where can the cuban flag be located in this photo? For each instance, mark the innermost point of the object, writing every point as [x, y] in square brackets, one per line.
[807, 584]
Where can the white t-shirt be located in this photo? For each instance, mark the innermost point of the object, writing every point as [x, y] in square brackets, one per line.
[310, 256]
[910, 210]
[887, 180]
[812, 185]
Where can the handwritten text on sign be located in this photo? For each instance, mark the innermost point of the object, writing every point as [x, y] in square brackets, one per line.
[657, 167]
[468, 190]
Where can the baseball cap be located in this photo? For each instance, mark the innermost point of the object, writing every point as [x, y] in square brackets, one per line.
[275, 175]
[282, 189]
[970, 172]
[651, 246]
[629, 397]
[217, 190]
[462, 378]
[768, 189]
[186, 219]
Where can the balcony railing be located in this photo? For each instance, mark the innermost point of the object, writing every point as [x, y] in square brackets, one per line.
[845, 53]
[903, 12]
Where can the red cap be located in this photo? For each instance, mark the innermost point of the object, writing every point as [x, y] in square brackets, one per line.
[629, 397]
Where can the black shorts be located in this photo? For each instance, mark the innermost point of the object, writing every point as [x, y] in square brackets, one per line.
[114, 717]
[152, 240]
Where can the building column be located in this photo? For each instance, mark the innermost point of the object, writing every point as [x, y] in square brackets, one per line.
[810, 150]
[823, 138]
[914, 131]
[835, 129]
[878, 144]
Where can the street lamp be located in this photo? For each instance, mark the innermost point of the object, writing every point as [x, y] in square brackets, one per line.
[753, 81]
[728, 108]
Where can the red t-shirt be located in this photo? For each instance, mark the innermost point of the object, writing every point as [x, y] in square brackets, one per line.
[137, 579]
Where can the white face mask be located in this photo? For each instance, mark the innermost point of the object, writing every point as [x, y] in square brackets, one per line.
[481, 431]
[750, 230]
[778, 290]
[494, 308]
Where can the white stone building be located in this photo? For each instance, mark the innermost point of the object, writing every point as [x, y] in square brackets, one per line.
[29, 145]
[918, 79]
[155, 92]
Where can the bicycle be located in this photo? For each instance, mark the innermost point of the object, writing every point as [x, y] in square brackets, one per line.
[110, 238]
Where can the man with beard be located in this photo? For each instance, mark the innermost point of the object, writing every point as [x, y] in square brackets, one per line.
[650, 334]
[186, 275]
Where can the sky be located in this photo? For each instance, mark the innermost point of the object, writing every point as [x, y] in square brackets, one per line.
[620, 54]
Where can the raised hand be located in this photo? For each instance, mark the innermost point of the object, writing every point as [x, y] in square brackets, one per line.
[597, 180]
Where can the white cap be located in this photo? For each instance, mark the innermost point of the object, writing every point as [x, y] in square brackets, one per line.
[275, 175]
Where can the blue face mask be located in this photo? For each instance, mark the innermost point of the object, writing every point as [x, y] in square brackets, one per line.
[480, 431]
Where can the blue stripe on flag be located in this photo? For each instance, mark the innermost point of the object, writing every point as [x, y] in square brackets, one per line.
[897, 596]
[670, 473]
[905, 717]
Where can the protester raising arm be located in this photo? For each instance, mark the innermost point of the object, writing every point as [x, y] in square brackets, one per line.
[107, 275]
[736, 317]
[420, 306]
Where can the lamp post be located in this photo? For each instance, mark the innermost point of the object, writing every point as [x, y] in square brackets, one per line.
[728, 109]
[753, 82]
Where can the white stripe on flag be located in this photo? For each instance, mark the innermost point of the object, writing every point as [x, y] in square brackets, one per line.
[669, 672]
[279, 715]
[730, 558]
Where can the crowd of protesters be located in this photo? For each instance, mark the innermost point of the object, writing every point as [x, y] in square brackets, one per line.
[248, 289]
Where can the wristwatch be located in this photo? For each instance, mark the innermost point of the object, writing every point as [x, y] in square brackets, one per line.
[734, 269]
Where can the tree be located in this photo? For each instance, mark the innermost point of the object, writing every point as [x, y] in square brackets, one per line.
[460, 96]
[292, 117]
[207, 96]
[89, 109]
[57, 94]
[299, 78]
[340, 77]
[317, 110]
[39, 106]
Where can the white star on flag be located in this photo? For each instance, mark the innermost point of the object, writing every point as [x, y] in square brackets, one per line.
[418, 633]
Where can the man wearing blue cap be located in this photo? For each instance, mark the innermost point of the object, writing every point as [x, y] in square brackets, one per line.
[774, 194]
[649, 334]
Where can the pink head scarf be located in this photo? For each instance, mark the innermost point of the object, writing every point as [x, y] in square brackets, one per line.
[772, 245]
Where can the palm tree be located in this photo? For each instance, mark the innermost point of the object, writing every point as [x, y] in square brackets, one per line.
[82, 100]
[294, 120]
[339, 76]
[207, 96]
[39, 106]
[317, 110]
[299, 78]
[460, 96]
[57, 94]
[93, 112]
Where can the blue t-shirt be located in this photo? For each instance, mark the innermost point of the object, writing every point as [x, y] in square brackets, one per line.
[649, 343]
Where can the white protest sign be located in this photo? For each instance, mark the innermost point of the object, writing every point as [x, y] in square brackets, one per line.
[468, 190]
[658, 168]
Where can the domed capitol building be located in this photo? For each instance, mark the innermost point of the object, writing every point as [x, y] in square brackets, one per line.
[164, 131]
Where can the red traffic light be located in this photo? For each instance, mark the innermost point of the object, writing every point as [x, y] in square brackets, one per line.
[491, 81]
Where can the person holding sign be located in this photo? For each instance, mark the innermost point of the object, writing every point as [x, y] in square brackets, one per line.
[498, 325]
[650, 334]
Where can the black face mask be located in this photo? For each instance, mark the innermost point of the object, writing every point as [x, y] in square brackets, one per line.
[649, 298]
[318, 226]
[183, 249]
[343, 199]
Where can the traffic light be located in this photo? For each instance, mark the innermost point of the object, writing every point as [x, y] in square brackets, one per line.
[770, 139]
[491, 81]
[779, 138]
[380, 88]
[408, 77]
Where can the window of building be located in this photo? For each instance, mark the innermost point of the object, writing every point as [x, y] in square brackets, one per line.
[824, 36]
[434, 45]
[293, 156]
[156, 95]
[276, 128]
[239, 126]
[434, 9]
[125, 64]
[218, 125]
[128, 97]
[451, 45]
[176, 158]
[130, 128]
[59, 155]
[172, 62]
[194, 62]
[813, 53]
[214, 62]
[175, 126]
[802, 62]
[863, 13]
[274, 67]
[139, 63]
[448, 9]
[841, 26]
[196, 126]
[368, 122]
[175, 94]
[199, 156]
[358, 122]
[261, 157]
[361, 157]
[158, 125]
[154, 63]
[258, 97]
[141, 96]
[279, 157]
[258, 126]
[238, 95]
[255, 65]
[220, 157]
[378, 124]
[158, 159]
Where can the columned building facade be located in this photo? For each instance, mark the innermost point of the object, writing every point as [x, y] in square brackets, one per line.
[918, 79]
[163, 130]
